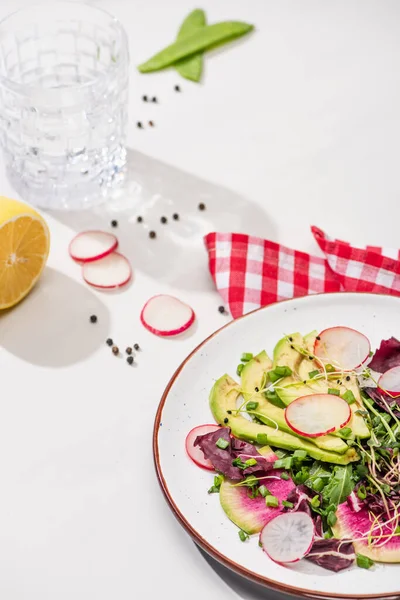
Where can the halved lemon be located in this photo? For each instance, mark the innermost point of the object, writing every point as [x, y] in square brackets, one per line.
[24, 248]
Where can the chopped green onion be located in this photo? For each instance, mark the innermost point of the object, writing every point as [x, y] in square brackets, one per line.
[260, 544]
[273, 376]
[250, 462]
[283, 371]
[262, 439]
[213, 490]
[318, 484]
[328, 534]
[315, 502]
[362, 413]
[283, 463]
[243, 536]
[362, 492]
[397, 530]
[246, 356]
[345, 432]
[313, 374]
[218, 479]
[364, 562]
[334, 392]
[300, 454]
[237, 462]
[251, 405]
[287, 504]
[272, 501]
[221, 443]
[285, 476]
[239, 369]
[264, 492]
[330, 368]
[274, 399]
[331, 519]
[349, 397]
[281, 453]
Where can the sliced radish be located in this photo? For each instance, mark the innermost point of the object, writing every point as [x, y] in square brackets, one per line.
[108, 273]
[288, 537]
[317, 414]
[343, 347]
[166, 315]
[92, 245]
[390, 381]
[194, 452]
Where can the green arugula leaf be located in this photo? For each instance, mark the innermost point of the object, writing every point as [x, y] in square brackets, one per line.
[340, 485]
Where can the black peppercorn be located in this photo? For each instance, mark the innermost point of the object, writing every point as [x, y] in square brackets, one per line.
[318, 338]
[348, 378]
[144, 98]
[221, 309]
[310, 358]
[163, 219]
[114, 223]
[256, 389]
[128, 350]
[151, 123]
[152, 234]
[109, 342]
[139, 219]
[115, 350]
[202, 206]
[175, 216]
[136, 346]
[226, 420]
[129, 360]
[93, 319]
[139, 125]
[177, 88]
[290, 339]
[229, 412]
[154, 99]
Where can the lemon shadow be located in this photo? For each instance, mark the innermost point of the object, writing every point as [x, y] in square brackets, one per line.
[152, 190]
[52, 327]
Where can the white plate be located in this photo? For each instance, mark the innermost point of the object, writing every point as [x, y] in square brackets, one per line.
[185, 405]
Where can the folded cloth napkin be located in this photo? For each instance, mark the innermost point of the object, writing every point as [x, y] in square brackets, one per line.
[250, 272]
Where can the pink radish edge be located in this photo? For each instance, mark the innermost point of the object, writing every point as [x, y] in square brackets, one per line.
[95, 257]
[304, 406]
[167, 332]
[343, 334]
[390, 378]
[101, 263]
[194, 452]
[301, 546]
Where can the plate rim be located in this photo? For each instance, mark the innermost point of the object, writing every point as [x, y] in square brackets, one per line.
[196, 537]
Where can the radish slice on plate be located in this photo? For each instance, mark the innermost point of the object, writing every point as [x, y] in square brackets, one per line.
[390, 381]
[166, 315]
[343, 347]
[318, 414]
[92, 245]
[108, 273]
[194, 452]
[288, 537]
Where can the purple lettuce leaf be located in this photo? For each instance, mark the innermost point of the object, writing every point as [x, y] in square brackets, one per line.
[221, 459]
[332, 554]
[387, 356]
[382, 400]
[300, 498]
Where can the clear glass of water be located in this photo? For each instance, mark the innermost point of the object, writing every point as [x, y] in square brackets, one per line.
[63, 103]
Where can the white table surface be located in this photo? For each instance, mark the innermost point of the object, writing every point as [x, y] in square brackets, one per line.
[296, 125]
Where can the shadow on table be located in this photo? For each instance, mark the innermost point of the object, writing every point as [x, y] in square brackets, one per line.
[240, 585]
[52, 327]
[153, 189]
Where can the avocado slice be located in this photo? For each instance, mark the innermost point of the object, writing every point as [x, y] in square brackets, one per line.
[269, 414]
[285, 354]
[223, 396]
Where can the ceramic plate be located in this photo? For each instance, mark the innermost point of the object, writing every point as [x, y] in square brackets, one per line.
[185, 405]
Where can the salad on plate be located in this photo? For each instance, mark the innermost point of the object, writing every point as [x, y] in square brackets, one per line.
[305, 449]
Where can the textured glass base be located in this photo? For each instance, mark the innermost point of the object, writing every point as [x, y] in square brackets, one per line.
[81, 195]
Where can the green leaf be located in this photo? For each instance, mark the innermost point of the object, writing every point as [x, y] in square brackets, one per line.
[192, 66]
[339, 486]
[199, 40]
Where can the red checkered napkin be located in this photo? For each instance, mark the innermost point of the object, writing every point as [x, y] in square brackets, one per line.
[250, 272]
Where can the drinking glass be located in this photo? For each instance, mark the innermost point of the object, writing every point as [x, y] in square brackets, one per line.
[63, 103]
